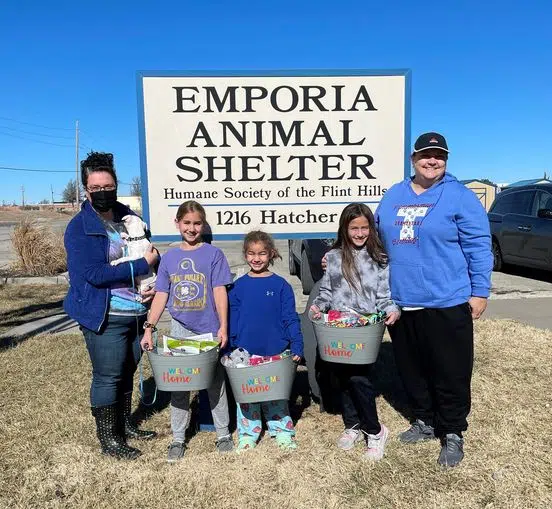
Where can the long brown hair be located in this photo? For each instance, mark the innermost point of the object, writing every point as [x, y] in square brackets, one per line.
[373, 244]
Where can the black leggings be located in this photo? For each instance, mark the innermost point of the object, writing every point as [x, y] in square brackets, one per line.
[358, 397]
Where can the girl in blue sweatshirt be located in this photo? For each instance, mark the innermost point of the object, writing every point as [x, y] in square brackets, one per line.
[263, 321]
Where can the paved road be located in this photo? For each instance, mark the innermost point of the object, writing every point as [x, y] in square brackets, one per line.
[534, 311]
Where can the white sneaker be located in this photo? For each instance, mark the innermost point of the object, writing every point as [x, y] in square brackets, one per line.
[349, 438]
[375, 445]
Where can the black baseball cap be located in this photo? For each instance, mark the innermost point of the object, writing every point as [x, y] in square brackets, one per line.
[427, 141]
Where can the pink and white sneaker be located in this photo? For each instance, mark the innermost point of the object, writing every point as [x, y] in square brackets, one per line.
[375, 445]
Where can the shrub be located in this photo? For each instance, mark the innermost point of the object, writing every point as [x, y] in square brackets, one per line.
[40, 251]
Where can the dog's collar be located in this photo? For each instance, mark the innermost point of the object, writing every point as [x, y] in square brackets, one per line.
[132, 239]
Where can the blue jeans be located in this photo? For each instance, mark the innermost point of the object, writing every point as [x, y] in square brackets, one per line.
[114, 352]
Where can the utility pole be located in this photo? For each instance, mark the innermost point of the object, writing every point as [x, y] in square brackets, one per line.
[76, 163]
[52, 191]
[22, 196]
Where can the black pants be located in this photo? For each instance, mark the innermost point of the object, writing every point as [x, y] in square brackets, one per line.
[358, 397]
[434, 356]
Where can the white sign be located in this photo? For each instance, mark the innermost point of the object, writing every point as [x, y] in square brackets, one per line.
[281, 153]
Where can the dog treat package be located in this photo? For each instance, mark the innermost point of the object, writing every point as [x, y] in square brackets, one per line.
[188, 346]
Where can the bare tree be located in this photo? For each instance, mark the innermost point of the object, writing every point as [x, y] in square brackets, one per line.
[136, 187]
[69, 194]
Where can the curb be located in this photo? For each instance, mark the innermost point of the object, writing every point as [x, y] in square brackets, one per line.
[56, 323]
[62, 279]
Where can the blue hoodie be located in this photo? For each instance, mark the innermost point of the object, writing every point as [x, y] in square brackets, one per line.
[439, 244]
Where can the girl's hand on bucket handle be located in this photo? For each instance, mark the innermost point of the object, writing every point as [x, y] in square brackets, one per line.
[392, 317]
[315, 312]
[296, 358]
[222, 334]
[147, 341]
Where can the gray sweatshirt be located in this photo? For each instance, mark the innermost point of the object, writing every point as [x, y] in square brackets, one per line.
[373, 294]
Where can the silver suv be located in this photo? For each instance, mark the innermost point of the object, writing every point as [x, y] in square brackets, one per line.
[521, 226]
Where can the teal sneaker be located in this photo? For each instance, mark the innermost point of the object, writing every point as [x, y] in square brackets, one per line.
[245, 443]
[286, 441]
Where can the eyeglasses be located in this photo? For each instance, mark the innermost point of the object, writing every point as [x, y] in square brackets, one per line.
[95, 189]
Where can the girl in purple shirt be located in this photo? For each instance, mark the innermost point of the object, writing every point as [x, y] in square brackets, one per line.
[191, 283]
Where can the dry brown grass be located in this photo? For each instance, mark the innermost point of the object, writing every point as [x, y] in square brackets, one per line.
[22, 303]
[39, 250]
[49, 455]
[10, 214]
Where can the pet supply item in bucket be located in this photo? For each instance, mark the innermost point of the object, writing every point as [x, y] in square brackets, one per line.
[266, 381]
[348, 339]
[189, 365]
[187, 346]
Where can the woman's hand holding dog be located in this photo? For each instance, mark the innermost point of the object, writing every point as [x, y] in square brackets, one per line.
[151, 255]
[147, 295]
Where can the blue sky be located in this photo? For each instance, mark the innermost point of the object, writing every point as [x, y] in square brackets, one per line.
[481, 72]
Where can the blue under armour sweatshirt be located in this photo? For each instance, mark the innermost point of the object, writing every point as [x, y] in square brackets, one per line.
[438, 242]
[262, 318]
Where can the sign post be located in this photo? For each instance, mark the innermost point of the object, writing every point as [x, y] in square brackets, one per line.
[279, 151]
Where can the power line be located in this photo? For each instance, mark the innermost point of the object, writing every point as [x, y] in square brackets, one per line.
[35, 134]
[9, 168]
[93, 138]
[37, 125]
[38, 141]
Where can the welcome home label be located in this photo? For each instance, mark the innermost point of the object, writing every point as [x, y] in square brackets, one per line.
[339, 349]
[179, 375]
[257, 385]
[280, 151]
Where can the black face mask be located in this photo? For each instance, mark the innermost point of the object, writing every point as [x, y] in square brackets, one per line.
[104, 201]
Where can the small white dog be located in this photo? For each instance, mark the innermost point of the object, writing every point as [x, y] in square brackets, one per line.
[137, 244]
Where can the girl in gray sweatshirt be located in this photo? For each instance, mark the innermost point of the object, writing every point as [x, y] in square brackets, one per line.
[357, 277]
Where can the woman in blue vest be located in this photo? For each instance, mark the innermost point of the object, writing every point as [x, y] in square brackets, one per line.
[102, 300]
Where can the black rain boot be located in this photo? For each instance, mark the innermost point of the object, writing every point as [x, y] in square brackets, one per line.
[107, 424]
[131, 430]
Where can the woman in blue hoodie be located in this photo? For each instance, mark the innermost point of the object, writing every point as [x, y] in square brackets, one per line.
[436, 233]
[103, 302]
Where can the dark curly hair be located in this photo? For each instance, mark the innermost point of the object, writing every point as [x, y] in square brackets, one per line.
[263, 238]
[97, 161]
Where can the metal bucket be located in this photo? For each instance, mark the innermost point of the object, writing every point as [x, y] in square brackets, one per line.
[184, 372]
[349, 345]
[265, 382]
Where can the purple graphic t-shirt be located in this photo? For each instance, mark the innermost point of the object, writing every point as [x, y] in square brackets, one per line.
[189, 278]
